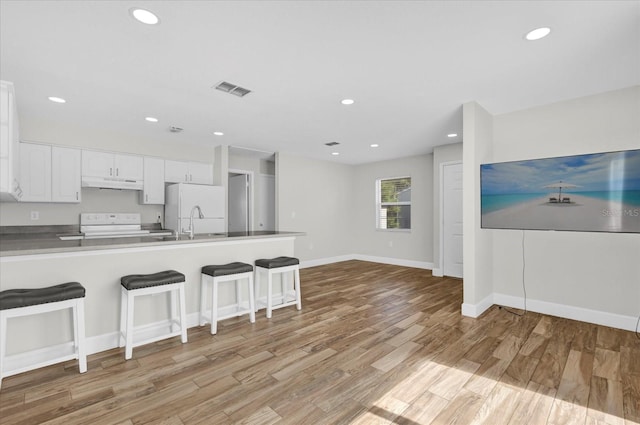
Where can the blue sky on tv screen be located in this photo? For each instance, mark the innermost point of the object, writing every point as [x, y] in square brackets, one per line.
[612, 171]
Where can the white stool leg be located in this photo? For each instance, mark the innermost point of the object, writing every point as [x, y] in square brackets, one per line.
[214, 307]
[297, 288]
[3, 343]
[128, 351]
[80, 342]
[123, 317]
[183, 313]
[269, 293]
[203, 298]
[237, 294]
[284, 281]
[256, 286]
[252, 300]
[174, 310]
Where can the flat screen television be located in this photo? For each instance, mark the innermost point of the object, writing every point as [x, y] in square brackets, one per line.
[597, 192]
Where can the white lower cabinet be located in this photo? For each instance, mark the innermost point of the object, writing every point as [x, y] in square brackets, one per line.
[66, 166]
[153, 190]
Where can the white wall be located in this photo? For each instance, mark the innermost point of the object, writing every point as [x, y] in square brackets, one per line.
[315, 197]
[441, 154]
[477, 250]
[592, 275]
[413, 245]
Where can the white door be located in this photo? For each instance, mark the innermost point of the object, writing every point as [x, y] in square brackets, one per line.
[266, 195]
[238, 202]
[452, 220]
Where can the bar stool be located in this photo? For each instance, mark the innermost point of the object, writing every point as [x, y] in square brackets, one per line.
[27, 302]
[281, 265]
[216, 274]
[146, 284]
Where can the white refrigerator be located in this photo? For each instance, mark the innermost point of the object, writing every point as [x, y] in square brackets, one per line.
[180, 200]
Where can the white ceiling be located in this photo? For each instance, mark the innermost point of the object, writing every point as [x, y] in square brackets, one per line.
[409, 66]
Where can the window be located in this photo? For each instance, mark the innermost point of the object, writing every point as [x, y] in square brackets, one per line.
[393, 203]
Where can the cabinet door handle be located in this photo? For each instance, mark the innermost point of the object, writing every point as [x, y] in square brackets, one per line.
[76, 196]
[117, 170]
[111, 171]
[186, 178]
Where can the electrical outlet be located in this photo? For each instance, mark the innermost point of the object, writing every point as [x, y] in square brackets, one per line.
[35, 215]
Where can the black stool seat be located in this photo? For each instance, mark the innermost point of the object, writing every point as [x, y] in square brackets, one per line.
[138, 281]
[227, 269]
[274, 263]
[14, 298]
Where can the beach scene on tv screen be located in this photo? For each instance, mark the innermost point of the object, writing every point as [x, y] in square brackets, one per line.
[593, 193]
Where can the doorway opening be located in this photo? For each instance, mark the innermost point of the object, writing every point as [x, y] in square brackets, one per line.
[240, 205]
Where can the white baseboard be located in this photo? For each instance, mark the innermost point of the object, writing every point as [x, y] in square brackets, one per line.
[362, 257]
[475, 310]
[603, 318]
[324, 261]
[395, 261]
[437, 272]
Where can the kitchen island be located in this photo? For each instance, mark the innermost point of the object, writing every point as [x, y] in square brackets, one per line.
[36, 260]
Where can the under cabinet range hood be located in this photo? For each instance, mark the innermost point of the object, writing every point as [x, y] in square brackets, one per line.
[110, 183]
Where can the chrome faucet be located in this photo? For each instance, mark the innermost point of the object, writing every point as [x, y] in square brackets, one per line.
[193, 210]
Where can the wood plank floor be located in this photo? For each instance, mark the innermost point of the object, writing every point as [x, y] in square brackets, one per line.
[374, 344]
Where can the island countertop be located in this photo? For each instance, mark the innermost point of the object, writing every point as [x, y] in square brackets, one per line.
[18, 244]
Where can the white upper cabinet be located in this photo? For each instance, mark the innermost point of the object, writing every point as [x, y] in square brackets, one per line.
[176, 171]
[153, 190]
[119, 166]
[188, 172]
[200, 173]
[9, 146]
[65, 174]
[129, 167]
[49, 173]
[35, 172]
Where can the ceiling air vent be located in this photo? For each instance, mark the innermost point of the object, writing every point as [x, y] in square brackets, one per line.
[174, 129]
[232, 89]
[332, 143]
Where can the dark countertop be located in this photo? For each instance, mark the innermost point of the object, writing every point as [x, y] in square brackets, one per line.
[32, 243]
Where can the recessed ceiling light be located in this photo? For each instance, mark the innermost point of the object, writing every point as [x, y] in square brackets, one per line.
[452, 135]
[335, 153]
[218, 133]
[151, 119]
[374, 145]
[57, 99]
[144, 16]
[347, 101]
[537, 33]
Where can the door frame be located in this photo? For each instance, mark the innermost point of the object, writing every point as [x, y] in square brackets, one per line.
[250, 193]
[439, 272]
